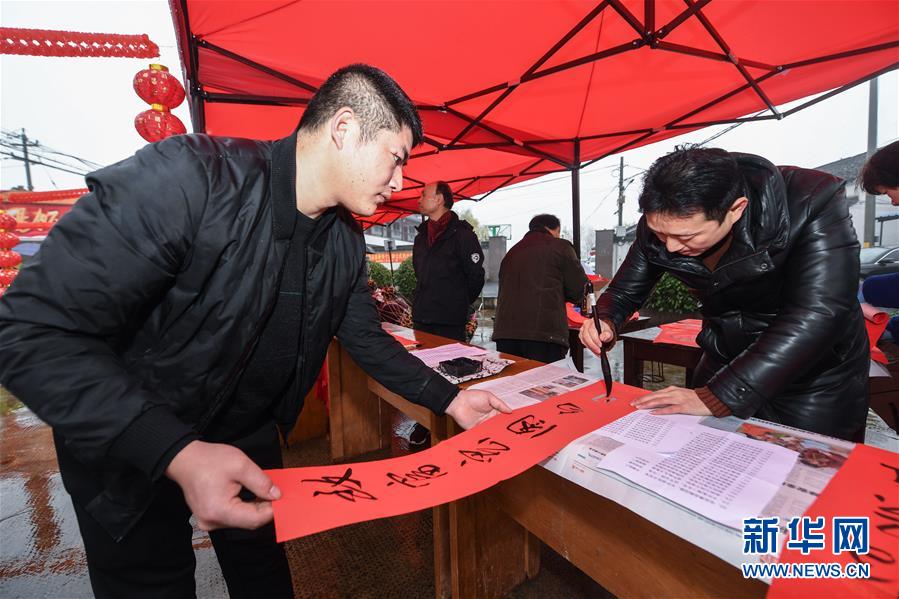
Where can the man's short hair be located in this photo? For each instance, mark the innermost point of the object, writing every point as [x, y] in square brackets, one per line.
[378, 101]
[446, 192]
[691, 180]
[882, 170]
[544, 222]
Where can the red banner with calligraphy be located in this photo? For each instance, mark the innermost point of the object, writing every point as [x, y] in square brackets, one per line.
[37, 211]
[319, 498]
[867, 485]
[35, 219]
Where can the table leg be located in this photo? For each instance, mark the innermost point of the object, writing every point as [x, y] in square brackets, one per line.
[576, 348]
[355, 422]
[633, 366]
[491, 553]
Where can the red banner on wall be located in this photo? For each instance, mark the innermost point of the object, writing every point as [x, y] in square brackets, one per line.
[37, 211]
[35, 217]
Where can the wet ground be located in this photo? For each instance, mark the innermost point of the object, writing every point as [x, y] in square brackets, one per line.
[41, 554]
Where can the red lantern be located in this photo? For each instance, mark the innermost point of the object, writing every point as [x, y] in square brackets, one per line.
[7, 222]
[9, 259]
[8, 240]
[7, 275]
[157, 86]
[158, 123]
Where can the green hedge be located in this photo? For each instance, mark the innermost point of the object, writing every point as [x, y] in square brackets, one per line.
[380, 274]
[670, 295]
[405, 279]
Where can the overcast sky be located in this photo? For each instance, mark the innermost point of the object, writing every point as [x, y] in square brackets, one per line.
[86, 107]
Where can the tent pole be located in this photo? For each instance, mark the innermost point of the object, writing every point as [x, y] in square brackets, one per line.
[870, 204]
[576, 197]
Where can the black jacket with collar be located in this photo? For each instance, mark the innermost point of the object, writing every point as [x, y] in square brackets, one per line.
[449, 275]
[132, 324]
[783, 334]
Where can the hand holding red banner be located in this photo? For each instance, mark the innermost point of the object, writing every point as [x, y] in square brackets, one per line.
[323, 497]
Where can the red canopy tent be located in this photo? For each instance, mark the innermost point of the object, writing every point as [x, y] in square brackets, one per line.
[510, 90]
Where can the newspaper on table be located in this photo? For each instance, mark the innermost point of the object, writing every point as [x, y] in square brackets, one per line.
[779, 469]
[723, 476]
[435, 355]
[817, 459]
[535, 385]
[491, 363]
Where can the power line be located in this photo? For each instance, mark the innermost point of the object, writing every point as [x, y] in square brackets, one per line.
[32, 161]
[20, 142]
[42, 157]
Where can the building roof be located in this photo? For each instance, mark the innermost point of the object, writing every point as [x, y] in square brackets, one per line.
[845, 168]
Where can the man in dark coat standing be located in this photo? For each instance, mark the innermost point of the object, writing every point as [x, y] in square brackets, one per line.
[771, 255]
[184, 307]
[449, 266]
[538, 275]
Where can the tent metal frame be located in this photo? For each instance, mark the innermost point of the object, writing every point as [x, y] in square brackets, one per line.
[647, 35]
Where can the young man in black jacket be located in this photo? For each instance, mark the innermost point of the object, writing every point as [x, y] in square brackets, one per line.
[771, 254]
[184, 307]
[449, 266]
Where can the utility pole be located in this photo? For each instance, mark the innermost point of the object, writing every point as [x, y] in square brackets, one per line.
[870, 206]
[27, 162]
[620, 190]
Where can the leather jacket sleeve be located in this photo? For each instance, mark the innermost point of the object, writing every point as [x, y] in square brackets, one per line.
[631, 285]
[103, 266]
[822, 269]
[384, 358]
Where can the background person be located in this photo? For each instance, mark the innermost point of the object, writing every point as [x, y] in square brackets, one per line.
[449, 266]
[537, 276]
[880, 175]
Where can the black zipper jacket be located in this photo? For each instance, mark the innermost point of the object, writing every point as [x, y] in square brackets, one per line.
[449, 275]
[130, 327]
[783, 334]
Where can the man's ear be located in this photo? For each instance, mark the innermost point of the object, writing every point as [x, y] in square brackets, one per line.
[341, 126]
[736, 209]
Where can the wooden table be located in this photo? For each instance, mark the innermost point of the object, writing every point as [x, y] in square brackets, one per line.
[496, 534]
[639, 347]
[488, 543]
[361, 412]
[359, 418]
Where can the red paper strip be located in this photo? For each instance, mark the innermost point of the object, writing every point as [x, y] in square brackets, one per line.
[407, 343]
[866, 485]
[875, 323]
[575, 320]
[682, 332]
[323, 497]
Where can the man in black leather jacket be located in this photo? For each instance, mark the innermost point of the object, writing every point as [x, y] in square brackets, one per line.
[182, 310]
[771, 255]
